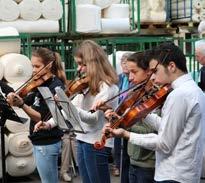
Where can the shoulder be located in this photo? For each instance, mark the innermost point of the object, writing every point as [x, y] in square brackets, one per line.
[56, 82]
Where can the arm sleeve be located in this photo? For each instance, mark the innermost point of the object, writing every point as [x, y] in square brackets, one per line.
[172, 125]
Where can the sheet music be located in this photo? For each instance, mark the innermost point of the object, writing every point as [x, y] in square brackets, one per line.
[70, 110]
[56, 114]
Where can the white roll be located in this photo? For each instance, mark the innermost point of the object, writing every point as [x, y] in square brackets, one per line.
[157, 5]
[1, 71]
[88, 18]
[201, 27]
[196, 18]
[158, 16]
[84, 2]
[197, 4]
[19, 144]
[9, 10]
[10, 45]
[6, 145]
[18, 1]
[52, 10]
[30, 9]
[117, 11]
[38, 26]
[15, 127]
[115, 1]
[118, 25]
[20, 166]
[144, 16]
[17, 67]
[103, 3]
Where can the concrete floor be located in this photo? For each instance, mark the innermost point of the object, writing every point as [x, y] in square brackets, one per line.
[35, 179]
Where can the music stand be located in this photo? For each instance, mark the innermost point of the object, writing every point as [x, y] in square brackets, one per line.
[63, 124]
[70, 111]
[6, 112]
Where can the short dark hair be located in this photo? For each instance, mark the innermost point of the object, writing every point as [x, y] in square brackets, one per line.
[138, 59]
[168, 52]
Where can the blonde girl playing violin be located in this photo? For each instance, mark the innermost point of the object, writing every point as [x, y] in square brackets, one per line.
[47, 143]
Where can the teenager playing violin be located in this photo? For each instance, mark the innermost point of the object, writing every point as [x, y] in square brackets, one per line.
[141, 169]
[180, 139]
[47, 143]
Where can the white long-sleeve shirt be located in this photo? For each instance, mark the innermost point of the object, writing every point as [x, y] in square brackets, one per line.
[180, 139]
[94, 122]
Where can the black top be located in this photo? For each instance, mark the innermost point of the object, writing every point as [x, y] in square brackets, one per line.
[36, 101]
[5, 88]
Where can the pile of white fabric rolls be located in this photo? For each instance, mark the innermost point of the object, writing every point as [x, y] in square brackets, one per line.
[189, 10]
[150, 11]
[16, 68]
[31, 16]
[102, 16]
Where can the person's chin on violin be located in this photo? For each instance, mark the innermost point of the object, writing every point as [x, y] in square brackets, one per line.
[48, 72]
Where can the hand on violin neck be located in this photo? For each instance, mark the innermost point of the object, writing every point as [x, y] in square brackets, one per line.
[100, 105]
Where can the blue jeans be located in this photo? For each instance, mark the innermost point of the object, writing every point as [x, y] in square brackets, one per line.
[46, 157]
[141, 175]
[167, 181]
[92, 163]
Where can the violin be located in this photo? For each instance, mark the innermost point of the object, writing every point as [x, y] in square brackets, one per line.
[133, 97]
[34, 84]
[36, 80]
[138, 111]
[77, 86]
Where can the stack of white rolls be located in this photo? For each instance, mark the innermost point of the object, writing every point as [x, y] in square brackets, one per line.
[186, 11]
[108, 16]
[16, 68]
[151, 11]
[31, 16]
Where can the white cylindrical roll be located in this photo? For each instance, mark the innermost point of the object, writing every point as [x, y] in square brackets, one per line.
[9, 45]
[88, 18]
[144, 16]
[1, 71]
[120, 25]
[117, 11]
[201, 27]
[20, 166]
[18, 1]
[115, 1]
[103, 3]
[158, 16]
[15, 127]
[52, 10]
[197, 4]
[157, 5]
[9, 10]
[6, 145]
[202, 14]
[84, 2]
[17, 67]
[196, 18]
[19, 144]
[30, 9]
[39, 26]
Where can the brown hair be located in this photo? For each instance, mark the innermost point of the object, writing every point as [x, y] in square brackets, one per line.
[48, 56]
[98, 67]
